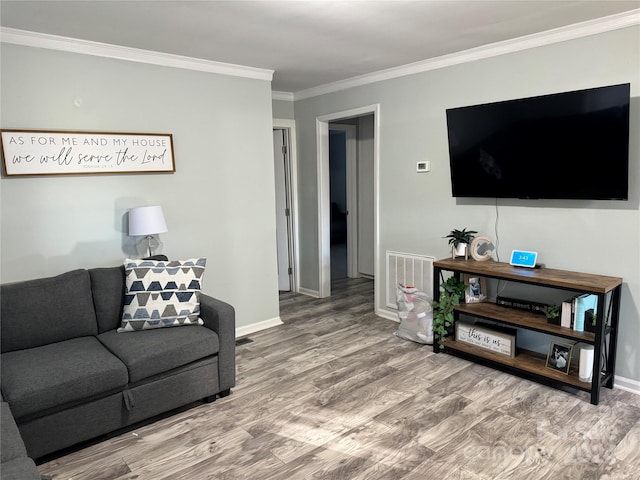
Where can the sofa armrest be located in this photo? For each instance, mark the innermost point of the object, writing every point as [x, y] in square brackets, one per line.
[16, 465]
[221, 318]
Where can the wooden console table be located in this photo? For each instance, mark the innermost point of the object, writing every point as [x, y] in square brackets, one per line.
[529, 364]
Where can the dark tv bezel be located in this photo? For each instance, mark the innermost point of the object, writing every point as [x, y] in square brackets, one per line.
[501, 193]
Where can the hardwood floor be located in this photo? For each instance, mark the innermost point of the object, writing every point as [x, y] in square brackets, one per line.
[333, 394]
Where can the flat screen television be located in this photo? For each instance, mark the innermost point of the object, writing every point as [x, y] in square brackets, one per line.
[572, 145]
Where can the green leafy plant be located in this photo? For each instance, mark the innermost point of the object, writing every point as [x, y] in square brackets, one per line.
[456, 237]
[451, 292]
[551, 312]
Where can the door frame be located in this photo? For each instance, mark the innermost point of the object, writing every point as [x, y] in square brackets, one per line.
[290, 127]
[324, 225]
[352, 194]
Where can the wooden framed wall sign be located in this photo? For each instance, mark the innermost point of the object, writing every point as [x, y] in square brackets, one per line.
[498, 342]
[43, 152]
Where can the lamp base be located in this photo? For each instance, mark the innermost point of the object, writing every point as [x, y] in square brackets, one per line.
[149, 246]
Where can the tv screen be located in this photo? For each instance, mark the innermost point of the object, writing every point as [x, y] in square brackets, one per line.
[572, 145]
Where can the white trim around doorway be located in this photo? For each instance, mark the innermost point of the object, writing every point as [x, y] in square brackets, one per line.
[322, 154]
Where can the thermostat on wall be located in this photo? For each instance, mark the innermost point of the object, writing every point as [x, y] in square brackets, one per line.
[423, 166]
[523, 258]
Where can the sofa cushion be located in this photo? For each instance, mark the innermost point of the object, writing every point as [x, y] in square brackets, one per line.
[151, 352]
[107, 288]
[161, 294]
[46, 310]
[40, 378]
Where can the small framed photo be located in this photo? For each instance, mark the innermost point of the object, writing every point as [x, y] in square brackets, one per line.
[476, 289]
[559, 356]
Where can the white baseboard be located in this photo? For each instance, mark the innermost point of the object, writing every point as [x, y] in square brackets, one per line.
[627, 384]
[256, 327]
[311, 293]
[388, 314]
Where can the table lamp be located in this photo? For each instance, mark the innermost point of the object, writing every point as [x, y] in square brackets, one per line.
[147, 222]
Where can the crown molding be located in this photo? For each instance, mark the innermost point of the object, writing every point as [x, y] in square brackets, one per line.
[286, 96]
[549, 37]
[86, 47]
[570, 32]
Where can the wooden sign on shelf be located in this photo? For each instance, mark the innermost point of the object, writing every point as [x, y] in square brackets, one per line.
[495, 341]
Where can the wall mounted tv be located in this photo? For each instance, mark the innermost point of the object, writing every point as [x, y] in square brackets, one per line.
[572, 145]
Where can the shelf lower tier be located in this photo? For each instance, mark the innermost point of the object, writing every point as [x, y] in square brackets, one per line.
[519, 318]
[525, 361]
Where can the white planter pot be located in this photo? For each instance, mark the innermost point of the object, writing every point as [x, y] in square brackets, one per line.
[460, 250]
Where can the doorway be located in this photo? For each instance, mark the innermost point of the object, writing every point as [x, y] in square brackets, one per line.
[323, 127]
[286, 204]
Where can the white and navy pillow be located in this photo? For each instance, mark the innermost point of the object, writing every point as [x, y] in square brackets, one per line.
[162, 293]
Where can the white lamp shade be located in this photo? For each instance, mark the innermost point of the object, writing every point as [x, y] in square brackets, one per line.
[146, 221]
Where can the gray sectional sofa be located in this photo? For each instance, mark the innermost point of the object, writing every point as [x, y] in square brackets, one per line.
[16, 465]
[69, 376]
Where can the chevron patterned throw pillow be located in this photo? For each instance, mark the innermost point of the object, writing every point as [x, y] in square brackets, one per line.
[162, 294]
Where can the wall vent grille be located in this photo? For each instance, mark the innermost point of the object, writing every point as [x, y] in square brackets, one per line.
[408, 269]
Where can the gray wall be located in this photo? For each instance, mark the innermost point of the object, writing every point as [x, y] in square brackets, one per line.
[282, 109]
[417, 210]
[219, 203]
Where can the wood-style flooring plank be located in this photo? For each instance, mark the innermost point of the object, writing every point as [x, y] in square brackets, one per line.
[334, 394]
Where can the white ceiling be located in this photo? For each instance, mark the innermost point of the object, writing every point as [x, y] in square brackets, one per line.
[307, 43]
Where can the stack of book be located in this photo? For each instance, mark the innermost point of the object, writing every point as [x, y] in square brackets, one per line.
[579, 311]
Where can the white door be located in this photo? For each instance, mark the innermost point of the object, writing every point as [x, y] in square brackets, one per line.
[283, 227]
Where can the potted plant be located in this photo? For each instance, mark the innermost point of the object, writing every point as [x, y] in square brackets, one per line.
[552, 312]
[459, 241]
[451, 292]
[590, 321]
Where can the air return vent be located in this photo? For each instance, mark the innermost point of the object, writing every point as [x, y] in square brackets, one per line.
[408, 269]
